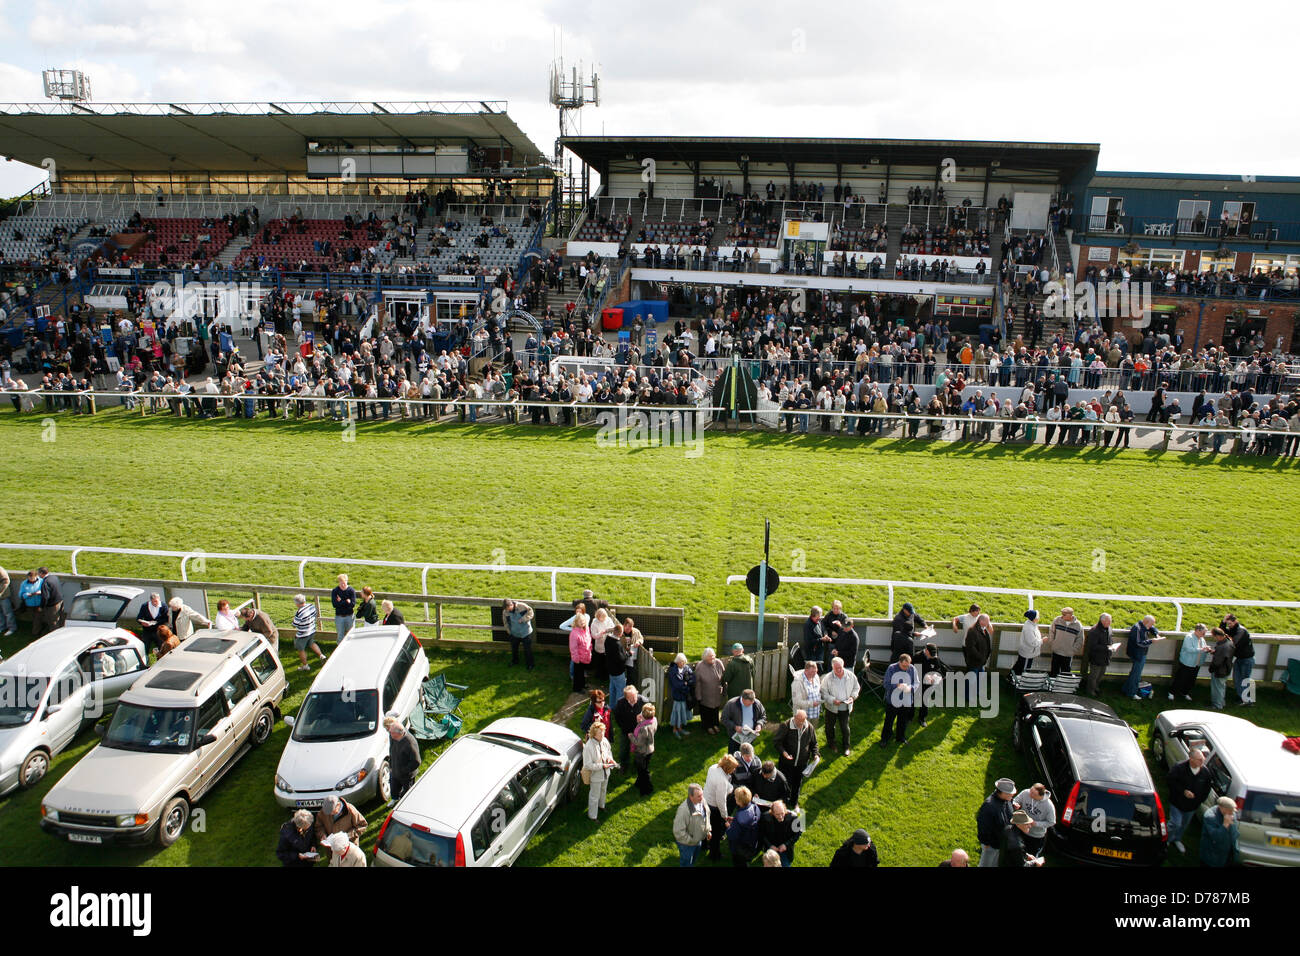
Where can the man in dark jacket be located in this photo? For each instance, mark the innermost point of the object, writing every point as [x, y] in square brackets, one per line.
[977, 647]
[403, 757]
[49, 615]
[779, 829]
[992, 817]
[815, 642]
[1189, 785]
[857, 850]
[846, 644]
[1096, 653]
[295, 845]
[1243, 659]
[833, 625]
[770, 785]
[902, 641]
[796, 739]
[928, 662]
[626, 713]
[1015, 851]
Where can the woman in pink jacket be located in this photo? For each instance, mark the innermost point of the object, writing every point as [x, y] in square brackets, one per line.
[580, 650]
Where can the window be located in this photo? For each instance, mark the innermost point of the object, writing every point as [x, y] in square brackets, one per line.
[1193, 216]
[1220, 777]
[96, 606]
[1237, 218]
[1052, 749]
[114, 661]
[264, 666]
[399, 671]
[1107, 214]
[239, 686]
[66, 684]
[532, 778]
[1153, 258]
[497, 817]
[211, 712]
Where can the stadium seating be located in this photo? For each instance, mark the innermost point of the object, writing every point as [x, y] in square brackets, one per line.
[181, 240]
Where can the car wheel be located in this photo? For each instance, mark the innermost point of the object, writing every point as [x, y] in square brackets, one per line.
[263, 724]
[174, 817]
[384, 783]
[1017, 735]
[575, 783]
[33, 769]
[1158, 749]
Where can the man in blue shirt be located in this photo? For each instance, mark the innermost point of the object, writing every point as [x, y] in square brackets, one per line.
[1140, 638]
[344, 599]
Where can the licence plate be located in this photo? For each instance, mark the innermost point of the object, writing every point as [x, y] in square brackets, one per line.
[1112, 854]
[1290, 842]
[84, 838]
[309, 804]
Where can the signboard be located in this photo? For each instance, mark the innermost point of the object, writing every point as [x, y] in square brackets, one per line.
[458, 280]
[114, 273]
[1099, 254]
[810, 231]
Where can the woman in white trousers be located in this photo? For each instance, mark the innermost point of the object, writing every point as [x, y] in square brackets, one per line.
[599, 759]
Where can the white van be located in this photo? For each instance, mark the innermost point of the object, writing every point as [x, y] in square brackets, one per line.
[339, 745]
[54, 687]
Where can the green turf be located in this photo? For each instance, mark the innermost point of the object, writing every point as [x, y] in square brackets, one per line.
[1131, 522]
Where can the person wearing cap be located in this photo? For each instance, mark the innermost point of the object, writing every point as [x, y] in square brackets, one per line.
[1096, 653]
[903, 637]
[902, 686]
[993, 815]
[958, 858]
[1036, 801]
[518, 619]
[1140, 638]
[1031, 642]
[336, 815]
[1016, 849]
[856, 851]
[1066, 635]
[738, 675]
[304, 630]
[845, 645]
[840, 688]
[343, 851]
[1189, 785]
[1219, 834]
[743, 717]
[183, 618]
[932, 671]
[1192, 653]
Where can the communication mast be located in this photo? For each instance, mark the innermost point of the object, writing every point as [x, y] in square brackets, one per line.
[571, 90]
[69, 86]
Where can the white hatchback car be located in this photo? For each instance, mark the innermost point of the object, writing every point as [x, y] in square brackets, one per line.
[339, 745]
[54, 687]
[485, 797]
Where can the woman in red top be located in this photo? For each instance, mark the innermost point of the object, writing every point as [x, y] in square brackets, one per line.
[596, 710]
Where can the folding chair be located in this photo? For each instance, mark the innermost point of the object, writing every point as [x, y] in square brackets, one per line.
[438, 715]
[873, 678]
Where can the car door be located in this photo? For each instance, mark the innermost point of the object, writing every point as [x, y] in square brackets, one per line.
[64, 705]
[1049, 748]
[1221, 783]
[505, 825]
[241, 702]
[539, 783]
[213, 719]
[112, 671]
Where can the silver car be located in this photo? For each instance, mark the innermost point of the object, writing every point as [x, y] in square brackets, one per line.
[485, 797]
[1247, 763]
[54, 687]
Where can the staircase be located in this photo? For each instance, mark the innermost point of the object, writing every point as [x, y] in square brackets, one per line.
[1062, 245]
[896, 217]
[231, 250]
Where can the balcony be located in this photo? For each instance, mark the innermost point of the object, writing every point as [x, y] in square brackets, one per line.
[1171, 230]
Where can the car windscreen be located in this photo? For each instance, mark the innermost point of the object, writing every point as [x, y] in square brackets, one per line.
[96, 607]
[337, 715]
[417, 847]
[151, 729]
[20, 698]
[1120, 812]
[1272, 809]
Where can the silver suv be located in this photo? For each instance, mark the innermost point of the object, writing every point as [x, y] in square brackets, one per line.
[175, 733]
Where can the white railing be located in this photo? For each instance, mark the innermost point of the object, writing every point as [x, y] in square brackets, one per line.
[424, 567]
[1028, 593]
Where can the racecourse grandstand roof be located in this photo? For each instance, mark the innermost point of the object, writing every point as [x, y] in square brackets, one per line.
[246, 137]
[1067, 157]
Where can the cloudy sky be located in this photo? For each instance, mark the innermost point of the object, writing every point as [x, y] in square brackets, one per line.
[1160, 88]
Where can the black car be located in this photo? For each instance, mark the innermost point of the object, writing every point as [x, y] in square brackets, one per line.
[1107, 808]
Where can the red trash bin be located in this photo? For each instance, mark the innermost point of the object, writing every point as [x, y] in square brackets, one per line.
[611, 320]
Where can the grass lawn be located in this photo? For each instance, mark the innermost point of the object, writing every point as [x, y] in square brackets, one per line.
[1122, 522]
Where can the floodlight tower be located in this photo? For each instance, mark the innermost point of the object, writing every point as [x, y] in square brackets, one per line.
[570, 90]
[68, 86]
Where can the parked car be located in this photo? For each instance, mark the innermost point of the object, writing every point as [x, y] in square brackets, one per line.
[1247, 763]
[52, 688]
[106, 606]
[1107, 807]
[485, 797]
[339, 745]
[176, 732]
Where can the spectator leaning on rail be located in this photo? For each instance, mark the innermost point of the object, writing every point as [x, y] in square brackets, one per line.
[50, 613]
[304, 630]
[1192, 653]
[1140, 638]
[1066, 635]
[183, 618]
[518, 619]
[1243, 658]
[259, 622]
